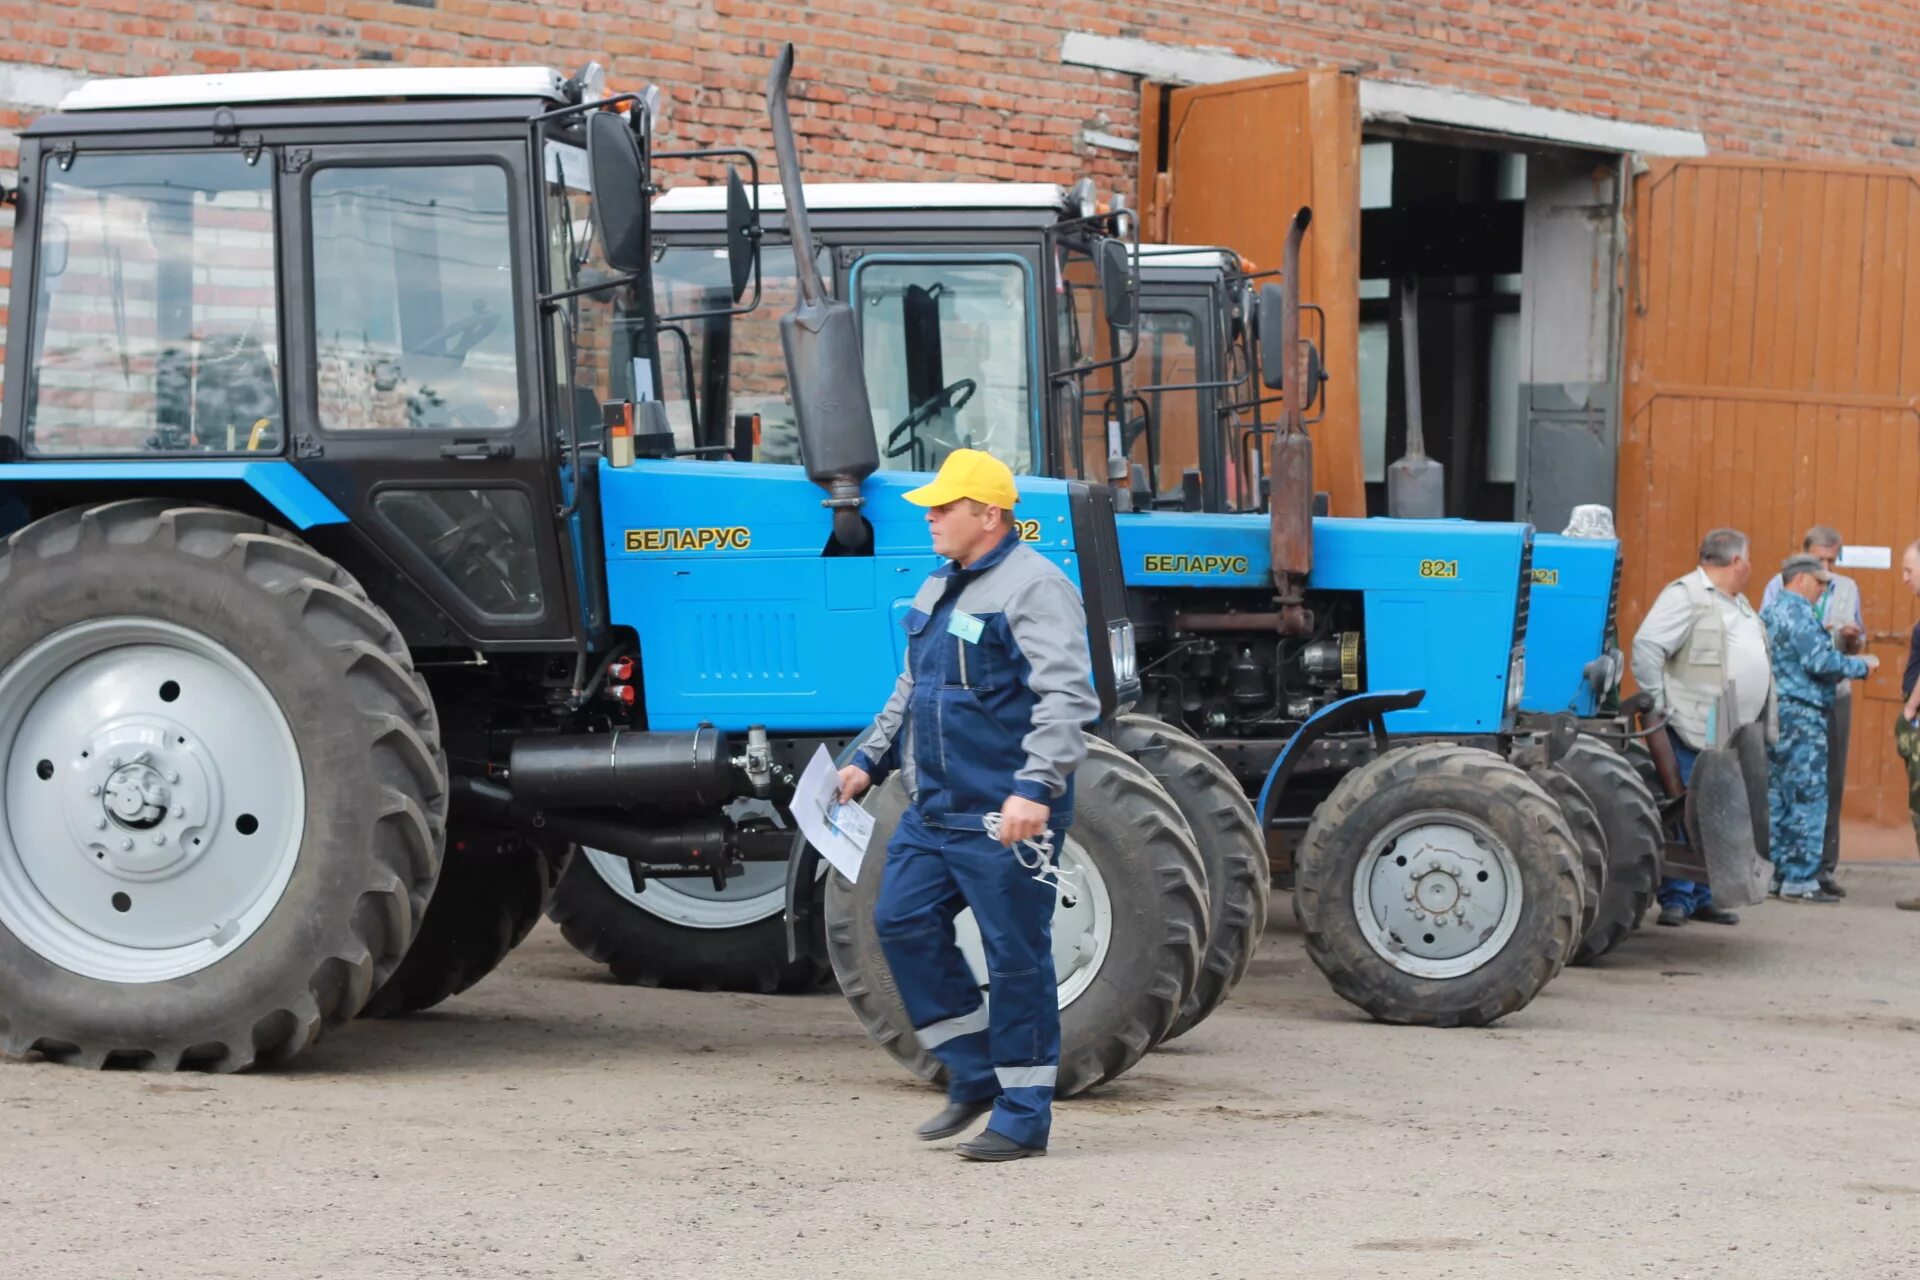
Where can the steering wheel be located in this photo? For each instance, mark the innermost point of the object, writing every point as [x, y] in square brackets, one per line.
[901, 439]
[458, 338]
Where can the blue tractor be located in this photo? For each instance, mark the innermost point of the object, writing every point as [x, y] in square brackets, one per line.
[1329, 664]
[1198, 382]
[359, 570]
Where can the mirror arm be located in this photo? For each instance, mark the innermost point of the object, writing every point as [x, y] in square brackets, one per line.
[552, 300]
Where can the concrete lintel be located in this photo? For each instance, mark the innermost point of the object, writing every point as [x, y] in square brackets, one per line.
[26, 84]
[1388, 99]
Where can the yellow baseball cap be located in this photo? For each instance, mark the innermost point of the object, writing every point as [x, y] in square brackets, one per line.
[968, 473]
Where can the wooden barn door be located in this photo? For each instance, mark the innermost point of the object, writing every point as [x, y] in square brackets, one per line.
[1772, 383]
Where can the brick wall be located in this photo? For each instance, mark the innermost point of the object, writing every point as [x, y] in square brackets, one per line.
[975, 90]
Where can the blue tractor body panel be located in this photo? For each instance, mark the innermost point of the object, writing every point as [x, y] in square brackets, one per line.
[295, 497]
[1573, 585]
[1439, 596]
[718, 567]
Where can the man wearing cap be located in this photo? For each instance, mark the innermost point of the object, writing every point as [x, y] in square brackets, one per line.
[1839, 611]
[1806, 669]
[985, 725]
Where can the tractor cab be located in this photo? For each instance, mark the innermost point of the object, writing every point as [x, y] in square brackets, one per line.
[985, 311]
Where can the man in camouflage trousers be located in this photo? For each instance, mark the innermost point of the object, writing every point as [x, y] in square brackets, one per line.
[1806, 669]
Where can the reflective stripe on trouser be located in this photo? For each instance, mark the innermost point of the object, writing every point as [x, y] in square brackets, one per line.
[1008, 1047]
[1797, 791]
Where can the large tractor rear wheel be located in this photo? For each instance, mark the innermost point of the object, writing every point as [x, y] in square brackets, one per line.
[1239, 880]
[222, 791]
[1438, 885]
[1631, 820]
[494, 883]
[1126, 950]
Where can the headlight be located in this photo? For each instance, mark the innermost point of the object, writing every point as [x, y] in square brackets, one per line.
[1516, 679]
[1120, 645]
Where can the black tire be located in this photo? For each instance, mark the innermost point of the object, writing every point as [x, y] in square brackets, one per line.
[1144, 850]
[1481, 787]
[641, 948]
[1239, 881]
[1631, 820]
[374, 774]
[494, 884]
[1589, 837]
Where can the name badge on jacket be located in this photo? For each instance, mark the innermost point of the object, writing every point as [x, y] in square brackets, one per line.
[966, 626]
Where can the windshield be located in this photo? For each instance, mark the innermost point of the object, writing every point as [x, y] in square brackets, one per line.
[948, 356]
[155, 325]
[1168, 356]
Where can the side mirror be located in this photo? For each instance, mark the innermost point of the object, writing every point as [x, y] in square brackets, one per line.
[1118, 284]
[53, 248]
[743, 234]
[619, 191]
[1273, 352]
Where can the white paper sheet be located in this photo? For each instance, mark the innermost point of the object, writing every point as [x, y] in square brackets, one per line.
[1866, 557]
[839, 831]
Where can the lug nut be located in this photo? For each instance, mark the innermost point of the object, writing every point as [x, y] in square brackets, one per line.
[113, 762]
[99, 824]
[142, 758]
[179, 811]
[174, 776]
[159, 837]
[93, 791]
[126, 844]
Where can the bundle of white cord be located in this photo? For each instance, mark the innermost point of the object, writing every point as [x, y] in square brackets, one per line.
[1037, 855]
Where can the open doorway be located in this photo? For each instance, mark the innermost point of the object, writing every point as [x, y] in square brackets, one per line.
[1507, 248]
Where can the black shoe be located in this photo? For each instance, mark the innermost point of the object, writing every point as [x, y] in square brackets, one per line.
[1831, 886]
[1716, 915]
[995, 1146]
[957, 1116]
[1672, 917]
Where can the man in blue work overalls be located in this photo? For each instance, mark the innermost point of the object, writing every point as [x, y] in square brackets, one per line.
[986, 727]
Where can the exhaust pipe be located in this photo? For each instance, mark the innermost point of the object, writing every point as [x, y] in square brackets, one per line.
[1290, 502]
[1416, 484]
[825, 375]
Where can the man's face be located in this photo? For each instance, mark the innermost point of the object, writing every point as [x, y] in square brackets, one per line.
[1807, 587]
[962, 528]
[1910, 570]
[1828, 556]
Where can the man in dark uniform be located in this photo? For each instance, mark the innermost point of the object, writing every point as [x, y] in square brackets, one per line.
[1906, 734]
[986, 726]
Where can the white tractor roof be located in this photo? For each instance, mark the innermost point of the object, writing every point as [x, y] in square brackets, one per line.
[316, 86]
[823, 196]
[1179, 256]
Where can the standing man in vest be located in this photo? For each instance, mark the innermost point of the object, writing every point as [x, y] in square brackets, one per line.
[985, 725]
[1700, 634]
[1806, 667]
[1838, 609]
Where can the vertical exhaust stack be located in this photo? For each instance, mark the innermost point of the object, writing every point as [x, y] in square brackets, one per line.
[825, 374]
[1290, 502]
[1416, 483]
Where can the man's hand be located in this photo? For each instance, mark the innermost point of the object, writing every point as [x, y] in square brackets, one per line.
[1873, 662]
[1912, 710]
[853, 781]
[1849, 637]
[1021, 819]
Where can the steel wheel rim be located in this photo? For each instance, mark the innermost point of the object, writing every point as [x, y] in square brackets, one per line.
[1437, 894]
[154, 800]
[1082, 930]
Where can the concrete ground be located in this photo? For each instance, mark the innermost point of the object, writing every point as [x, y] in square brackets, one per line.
[1709, 1102]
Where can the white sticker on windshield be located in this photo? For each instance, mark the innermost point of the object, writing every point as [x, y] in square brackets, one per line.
[642, 378]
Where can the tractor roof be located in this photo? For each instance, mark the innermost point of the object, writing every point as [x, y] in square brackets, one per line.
[1187, 256]
[329, 85]
[838, 196]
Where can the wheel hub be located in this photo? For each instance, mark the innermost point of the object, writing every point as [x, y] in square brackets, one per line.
[1082, 927]
[1438, 895]
[138, 796]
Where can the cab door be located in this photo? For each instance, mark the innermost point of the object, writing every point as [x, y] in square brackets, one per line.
[414, 393]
